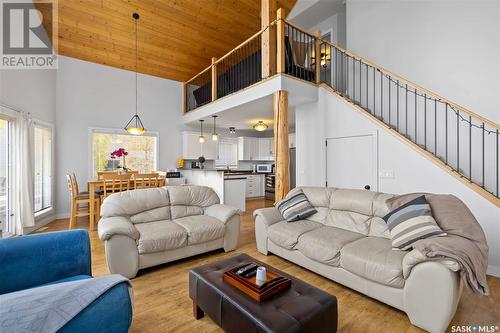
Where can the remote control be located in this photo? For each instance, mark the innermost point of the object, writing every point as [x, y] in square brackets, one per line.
[250, 272]
[246, 269]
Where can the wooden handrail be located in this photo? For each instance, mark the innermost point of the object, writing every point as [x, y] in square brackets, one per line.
[405, 81]
[209, 67]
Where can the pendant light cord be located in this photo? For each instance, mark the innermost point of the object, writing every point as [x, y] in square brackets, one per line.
[136, 66]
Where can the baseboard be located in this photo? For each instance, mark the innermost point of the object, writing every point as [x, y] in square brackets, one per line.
[39, 224]
[62, 215]
[493, 270]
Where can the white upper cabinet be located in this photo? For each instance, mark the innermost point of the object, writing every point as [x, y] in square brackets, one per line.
[266, 149]
[192, 148]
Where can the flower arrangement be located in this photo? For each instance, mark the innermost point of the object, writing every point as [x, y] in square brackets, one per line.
[120, 152]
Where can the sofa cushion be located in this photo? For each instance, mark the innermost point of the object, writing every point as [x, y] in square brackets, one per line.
[155, 214]
[411, 222]
[190, 195]
[347, 220]
[160, 236]
[128, 203]
[296, 207]
[324, 244]
[373, 258]
[183, 211]
[286, 234]
[201, 228]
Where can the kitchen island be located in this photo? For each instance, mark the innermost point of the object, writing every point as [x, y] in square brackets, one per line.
[232, 186]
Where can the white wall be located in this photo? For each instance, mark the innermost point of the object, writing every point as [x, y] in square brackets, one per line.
[412, 171]
[30, 90]
[451, 47]
[92, 95]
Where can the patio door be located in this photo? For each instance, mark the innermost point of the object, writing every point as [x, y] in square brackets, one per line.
[5, 158]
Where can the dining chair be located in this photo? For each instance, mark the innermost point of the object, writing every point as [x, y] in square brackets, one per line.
[146, 180]
[80, 203]
[114, 182]
[101, 173]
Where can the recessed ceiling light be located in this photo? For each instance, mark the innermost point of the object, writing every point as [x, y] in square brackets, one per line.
[260, 126]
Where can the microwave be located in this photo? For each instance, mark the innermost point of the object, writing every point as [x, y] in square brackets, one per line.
[264, 168]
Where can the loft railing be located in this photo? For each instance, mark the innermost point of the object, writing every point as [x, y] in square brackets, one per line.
[238, 69]
[464, 141]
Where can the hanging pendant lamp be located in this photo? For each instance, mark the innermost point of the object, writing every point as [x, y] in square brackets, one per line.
[201, 138]
[135, 126]
[215, 135]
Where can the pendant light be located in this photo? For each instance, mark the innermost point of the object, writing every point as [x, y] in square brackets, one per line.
[260, 126]
[201, 138]
[215, 135]
[135, 126]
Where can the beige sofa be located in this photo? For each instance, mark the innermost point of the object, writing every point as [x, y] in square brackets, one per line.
[148, 227]
[348, 241]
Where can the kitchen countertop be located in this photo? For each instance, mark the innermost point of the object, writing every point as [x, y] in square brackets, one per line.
[228, 172]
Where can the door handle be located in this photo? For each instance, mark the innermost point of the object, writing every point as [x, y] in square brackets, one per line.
[367, 187]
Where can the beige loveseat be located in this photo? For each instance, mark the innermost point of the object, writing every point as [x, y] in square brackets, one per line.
[348, 241]
[148, 227]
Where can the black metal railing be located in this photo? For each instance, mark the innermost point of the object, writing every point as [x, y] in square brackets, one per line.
[465, 142]
[198, 90]
[241, 68]
[300, 59]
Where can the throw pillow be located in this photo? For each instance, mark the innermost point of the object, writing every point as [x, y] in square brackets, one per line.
[296, 207]
[411, 222]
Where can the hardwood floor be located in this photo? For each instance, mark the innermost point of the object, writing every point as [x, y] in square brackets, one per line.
[162, 304]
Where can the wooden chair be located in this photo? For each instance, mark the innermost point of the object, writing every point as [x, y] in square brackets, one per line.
[78, 199]
[115, 182]
[146, 180]
[101, 173]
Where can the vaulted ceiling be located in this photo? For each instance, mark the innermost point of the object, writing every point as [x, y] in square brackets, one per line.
[176, 38]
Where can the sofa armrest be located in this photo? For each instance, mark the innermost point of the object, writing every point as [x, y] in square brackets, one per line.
[30, 261]
[116, 225]
[415, 257]
[269, 216]
[222, 212]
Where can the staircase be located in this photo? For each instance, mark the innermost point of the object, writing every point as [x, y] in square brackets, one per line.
[460, 141]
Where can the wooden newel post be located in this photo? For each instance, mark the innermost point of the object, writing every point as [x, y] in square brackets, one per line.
[214, 79]
[280, 41]
[268, 38]
[317, 55]
[282, 161]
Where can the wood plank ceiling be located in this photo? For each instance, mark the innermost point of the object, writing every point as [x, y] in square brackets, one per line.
[176, 38]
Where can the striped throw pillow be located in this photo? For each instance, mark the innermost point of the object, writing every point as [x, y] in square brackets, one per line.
[411, 222]
[296, 207]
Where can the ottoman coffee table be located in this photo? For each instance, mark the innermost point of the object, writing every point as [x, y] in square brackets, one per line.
[301, 308]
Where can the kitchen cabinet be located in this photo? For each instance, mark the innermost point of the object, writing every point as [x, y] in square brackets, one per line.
[192, 148]
[255, 186]
[255, 149]
[266, 149]
[248, 149]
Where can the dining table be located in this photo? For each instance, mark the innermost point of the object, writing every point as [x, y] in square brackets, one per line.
[95, 184]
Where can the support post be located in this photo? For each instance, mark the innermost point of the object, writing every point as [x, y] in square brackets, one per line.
[282, 161]
[214, 79]
[280, 41]
[268, 41]
[317, 55]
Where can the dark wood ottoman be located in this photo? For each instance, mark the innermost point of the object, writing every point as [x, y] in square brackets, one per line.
[302, 308]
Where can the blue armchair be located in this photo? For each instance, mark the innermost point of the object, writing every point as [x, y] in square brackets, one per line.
[35, 260]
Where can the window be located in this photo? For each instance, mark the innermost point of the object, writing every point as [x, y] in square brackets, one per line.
[142, 151]
[4, 173]
[228, 154]
[43, 167]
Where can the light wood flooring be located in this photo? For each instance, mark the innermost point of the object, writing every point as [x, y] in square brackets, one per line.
[162, 304]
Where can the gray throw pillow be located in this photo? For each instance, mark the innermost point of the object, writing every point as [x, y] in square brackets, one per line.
[295, 207]
[411, 222]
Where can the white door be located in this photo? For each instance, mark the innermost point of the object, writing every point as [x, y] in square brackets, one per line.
[351, 162]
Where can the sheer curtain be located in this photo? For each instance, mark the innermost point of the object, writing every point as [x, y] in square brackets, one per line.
[22, 175]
